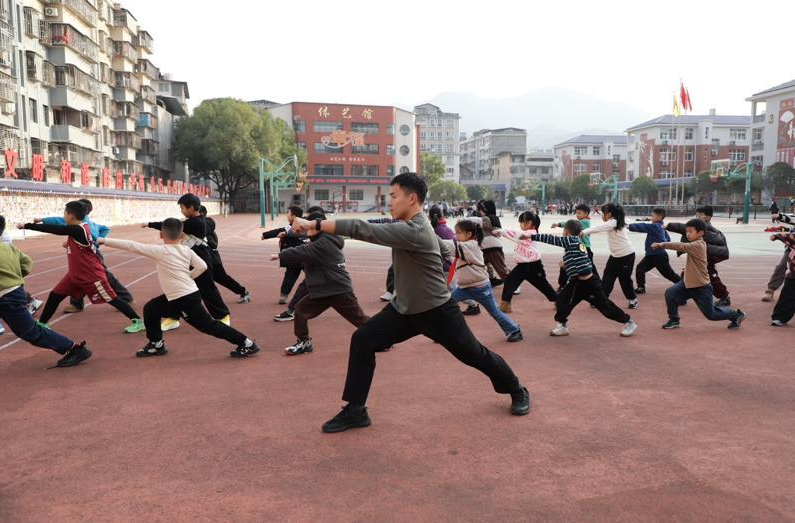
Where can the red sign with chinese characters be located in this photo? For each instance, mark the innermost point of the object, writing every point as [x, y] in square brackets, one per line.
[66, 172]
[349, 180]
[38, 167]
[84, 174]
[12, 157]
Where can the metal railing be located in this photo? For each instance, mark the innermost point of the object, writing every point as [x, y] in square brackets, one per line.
[82, 8]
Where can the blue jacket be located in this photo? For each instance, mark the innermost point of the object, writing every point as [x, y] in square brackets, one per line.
[97, 231]
[655, 233]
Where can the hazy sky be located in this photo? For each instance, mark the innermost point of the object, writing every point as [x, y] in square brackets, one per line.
[387, 52]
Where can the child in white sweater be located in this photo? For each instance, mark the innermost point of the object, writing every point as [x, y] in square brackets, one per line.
[177, 267]
[472, 278]
[622, 253]
[528, 261]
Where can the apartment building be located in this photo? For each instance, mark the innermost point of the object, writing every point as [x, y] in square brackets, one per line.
[589, 153]
[81, 101]
[439, 136]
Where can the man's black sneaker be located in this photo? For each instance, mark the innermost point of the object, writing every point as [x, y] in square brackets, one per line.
[287, 315]
[244, 352]
[299, 347]
[640, 290]
[520, 402]
[472, 310]
[515, 336]
[152, 350]
[723, 302]
[74, 356]
[495, 282]
[735, 324]
[671, 324]
[350, 417]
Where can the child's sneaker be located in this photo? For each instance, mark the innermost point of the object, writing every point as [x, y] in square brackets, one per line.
[472, 310]
[137, 325]
[505, 307]
[735, 324]
[633, 304]
[152, 349]
[300, 347]
[671, 324]
[245, 298]
[242, 351]
[515, 336]
[495, 282]
[777, 323]
[350, 417]
[517, 292]
[169, 324]
[387, 296]
[640, 290]
[629, 329]
[42, 325]
[226, 320]
[768, 297]
[520, 402]
[34, 305]
[282, 299]
[2, 329]
[559, 330]
[287, 315]
[74, 356]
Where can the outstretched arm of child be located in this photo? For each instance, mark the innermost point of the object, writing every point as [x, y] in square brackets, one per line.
[552, 239]
[307, 253]
[150, 251]
[273, 233]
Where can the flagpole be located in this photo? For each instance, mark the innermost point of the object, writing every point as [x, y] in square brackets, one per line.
[670, 188]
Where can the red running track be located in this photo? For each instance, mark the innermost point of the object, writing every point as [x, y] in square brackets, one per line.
[688, 425]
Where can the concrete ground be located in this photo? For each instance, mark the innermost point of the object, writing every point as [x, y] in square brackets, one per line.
[695, 424]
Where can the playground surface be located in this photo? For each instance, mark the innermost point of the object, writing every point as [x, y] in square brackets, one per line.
[694, 424]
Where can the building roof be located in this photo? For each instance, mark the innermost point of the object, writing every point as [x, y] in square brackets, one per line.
[588, 139]
[780, 87]
[694, 119]
[427, 105]
[500, 130]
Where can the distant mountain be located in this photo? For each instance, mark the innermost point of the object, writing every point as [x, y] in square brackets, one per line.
[550, 114]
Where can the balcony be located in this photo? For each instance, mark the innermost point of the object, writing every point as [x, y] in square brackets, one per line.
[125, 50]
[73, 135]
[124, 124]
[147, 120]
[148, 134]
[758, 145]
[72, 77]
[143, 40]
[127, 139]
[68, 36]
[81, 8]
[121, 94]
[8, 88]
[148, 68]
[759, 118]
[127, 81]
[148, 94]
[63, 96]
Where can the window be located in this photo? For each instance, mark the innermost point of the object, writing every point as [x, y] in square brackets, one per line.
[667, 133]
[715, 146]
[370, 148]
[579, 168]
[299, 125]
[736, 156]
[46, 111]
[390, 129]
[34, 110]
[366, 128]
[688, 133]
[404, 130]
[667, 155]
[390, 170]
[706, 133]
[736, 134]
[324, 149]
[689, 154]
[580, 151]
[390, 150]
[321, 194]
[597, 150]
[327, 127]
[364, 170]
[404, 150]
[302, 145]
[356, 195]
[439, 135]
[86, 121]
[616, 160]
[328, 169]
[757, 135]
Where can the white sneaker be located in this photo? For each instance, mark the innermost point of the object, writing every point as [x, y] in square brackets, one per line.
[34, 305]
[559, 330]
[387, 296]
[777, 323]
[2, 329]
[629, 329]
[169, 325]
[633, 304]
[517, 292]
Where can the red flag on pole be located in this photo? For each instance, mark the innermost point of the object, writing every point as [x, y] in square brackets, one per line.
[689, 101]
[682, 95]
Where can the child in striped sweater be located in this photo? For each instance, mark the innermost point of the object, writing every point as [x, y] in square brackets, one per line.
[582, 284]
[528, 261]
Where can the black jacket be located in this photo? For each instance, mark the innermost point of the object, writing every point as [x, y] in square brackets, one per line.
[715, 240]
[324, 265]
[290, 240]
[195, 229]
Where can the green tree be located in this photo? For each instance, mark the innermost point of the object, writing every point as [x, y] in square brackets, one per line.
[643, 187]
[479, 192]
[702, 184]
[447, 190]
[581, 188]
[781, 176]
[511, 199]
[559, 190]
[225, 138]
[431, 168]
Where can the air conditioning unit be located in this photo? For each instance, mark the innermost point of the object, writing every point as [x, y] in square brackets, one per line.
[50, 11]
[9, 107]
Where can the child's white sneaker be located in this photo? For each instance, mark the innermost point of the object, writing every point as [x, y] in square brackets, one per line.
[559, 330]
[629, 329]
